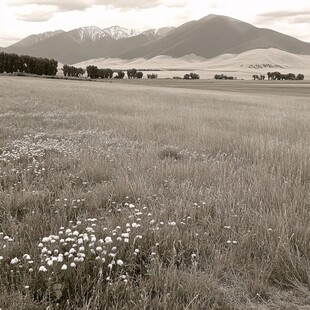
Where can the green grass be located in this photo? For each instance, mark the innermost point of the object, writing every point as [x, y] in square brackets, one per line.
[213, 186]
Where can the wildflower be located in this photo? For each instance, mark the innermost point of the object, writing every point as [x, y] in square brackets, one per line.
[73, 265]
[64, 267]
[120, 262]
[14, 261]
[108, 240]
[42, 269]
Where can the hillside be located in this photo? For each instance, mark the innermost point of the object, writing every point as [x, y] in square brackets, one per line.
[215, 35]
[258, 61]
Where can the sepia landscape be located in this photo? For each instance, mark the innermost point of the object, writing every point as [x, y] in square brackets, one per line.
[163, 169]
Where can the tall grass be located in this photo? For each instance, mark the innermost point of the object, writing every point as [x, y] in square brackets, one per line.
[211, 190]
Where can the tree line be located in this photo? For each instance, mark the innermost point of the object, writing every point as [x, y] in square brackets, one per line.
[13, 63]
[72, 71]
[223, 77]
[280, 76]
[191, 76]
[94, 72]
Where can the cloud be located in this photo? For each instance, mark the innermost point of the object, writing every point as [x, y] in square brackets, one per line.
[44, 10]
[62, 5]
[34, 13]
[214, 4]
[302, 19]
[283, 14]
[81, 5]
[35, 18]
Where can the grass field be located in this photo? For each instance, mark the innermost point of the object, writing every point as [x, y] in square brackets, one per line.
[131, 196]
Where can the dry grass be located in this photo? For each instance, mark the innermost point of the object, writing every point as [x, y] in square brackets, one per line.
[214, 188]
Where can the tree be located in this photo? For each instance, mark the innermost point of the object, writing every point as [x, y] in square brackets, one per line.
[13, 63]
[65, 70]
[139, 75]
[131, 73]
[186, 77]
[120, 75]
[194, 76]
[300, 77]
[92, 72]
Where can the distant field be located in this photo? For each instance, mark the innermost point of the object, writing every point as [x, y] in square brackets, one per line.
[288, 88]
[154, 194]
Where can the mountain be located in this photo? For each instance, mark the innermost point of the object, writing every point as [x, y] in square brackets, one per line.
[117, 32]
[208, 37]
[84, 43]
[215, 35]
[32, 40]
[158, 33]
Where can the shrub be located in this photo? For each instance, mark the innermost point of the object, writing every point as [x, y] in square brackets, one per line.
[170, 152]
[152, 76]
[139, 75]
[120, 75]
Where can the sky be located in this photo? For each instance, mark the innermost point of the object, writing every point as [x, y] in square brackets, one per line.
[20, 18]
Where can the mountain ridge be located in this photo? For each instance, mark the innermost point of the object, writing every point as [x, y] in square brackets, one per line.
[208, 37]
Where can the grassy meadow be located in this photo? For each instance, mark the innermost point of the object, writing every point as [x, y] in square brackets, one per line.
[121, 196]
